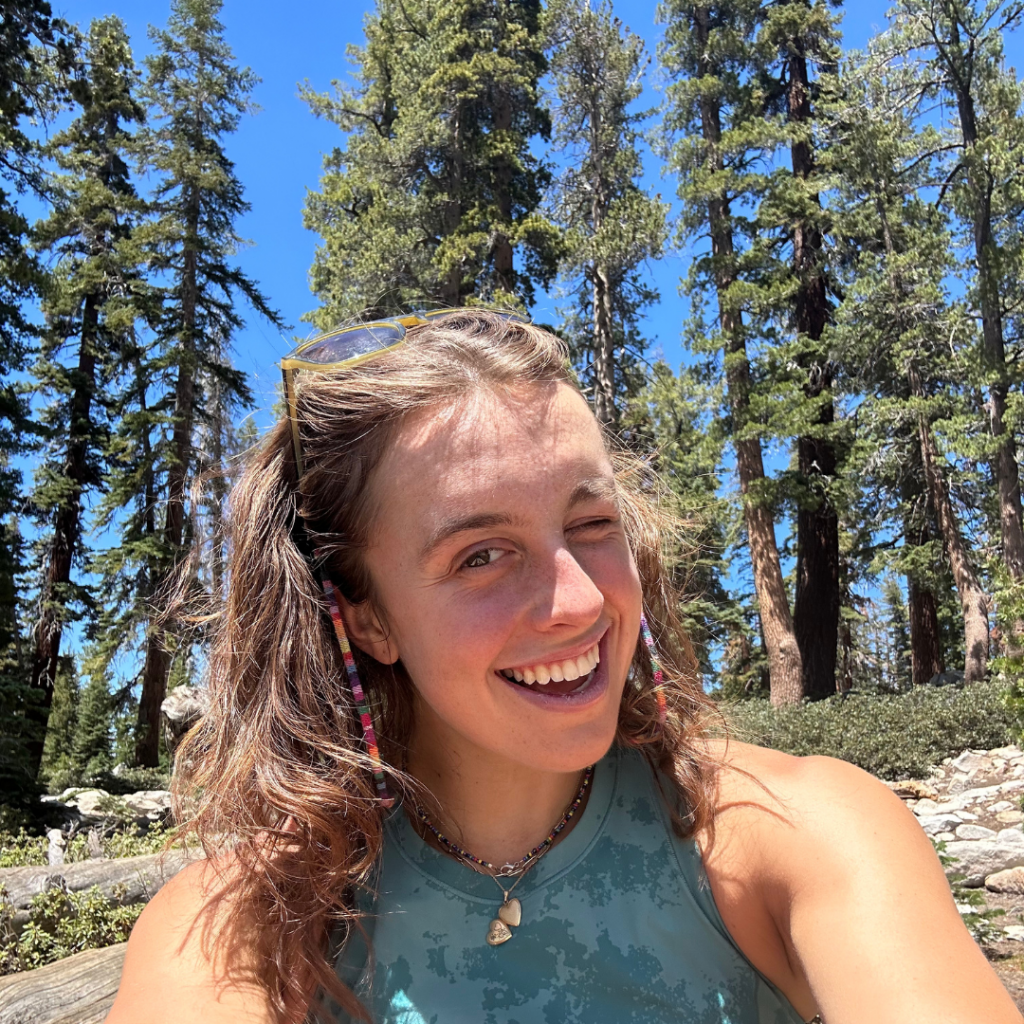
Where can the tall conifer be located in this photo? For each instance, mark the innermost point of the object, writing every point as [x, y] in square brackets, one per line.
[612, 226]
[715, 124]
[436, 187]
[197, 97]
[89, 306]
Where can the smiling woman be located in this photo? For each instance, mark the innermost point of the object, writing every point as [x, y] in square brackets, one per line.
[568, 842]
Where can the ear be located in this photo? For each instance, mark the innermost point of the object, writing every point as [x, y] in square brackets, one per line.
[366, 632]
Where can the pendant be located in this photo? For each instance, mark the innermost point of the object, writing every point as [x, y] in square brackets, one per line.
[511, 912]
[498, 933]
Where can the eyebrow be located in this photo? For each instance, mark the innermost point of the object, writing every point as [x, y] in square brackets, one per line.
[596, 488]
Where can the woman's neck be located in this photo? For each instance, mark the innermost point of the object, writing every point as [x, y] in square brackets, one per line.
[494, 807]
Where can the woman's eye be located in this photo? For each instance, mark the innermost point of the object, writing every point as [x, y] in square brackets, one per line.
[594, 524]
[485, 556]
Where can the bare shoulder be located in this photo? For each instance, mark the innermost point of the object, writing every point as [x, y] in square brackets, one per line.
[178, 968]
[834, 891]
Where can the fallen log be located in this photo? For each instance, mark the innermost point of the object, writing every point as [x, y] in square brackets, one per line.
[140, 878]
[77, 990]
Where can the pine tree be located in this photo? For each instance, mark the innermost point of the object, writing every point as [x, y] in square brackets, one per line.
[37, 55]
[715, 123]
[91, 755]
[197, 96]
[797, 45]
[959, 47]
[62, 725]
[894, 323]
[612, 226]
[89, 304]
[436, 188]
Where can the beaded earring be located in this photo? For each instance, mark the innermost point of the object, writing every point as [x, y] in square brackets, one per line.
[659, 676]
[362, 706]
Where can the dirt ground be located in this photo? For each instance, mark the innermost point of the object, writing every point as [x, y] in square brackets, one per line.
[1007, 957]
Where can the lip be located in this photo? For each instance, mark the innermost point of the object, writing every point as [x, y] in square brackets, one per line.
[573, 701]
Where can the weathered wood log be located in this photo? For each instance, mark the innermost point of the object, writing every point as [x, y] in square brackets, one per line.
[78, 990]
[141, 877]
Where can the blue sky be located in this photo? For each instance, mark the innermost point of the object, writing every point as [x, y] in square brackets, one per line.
[278, 152]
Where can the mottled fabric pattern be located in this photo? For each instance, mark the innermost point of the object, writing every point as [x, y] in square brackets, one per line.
[618, 926]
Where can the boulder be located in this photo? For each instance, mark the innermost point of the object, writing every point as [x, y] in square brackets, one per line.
[933, 824]
[1010, 881]
[1010, 817]
[970, 761]
[976, 859]
[974, 832]
[181, 709]
[149, 804]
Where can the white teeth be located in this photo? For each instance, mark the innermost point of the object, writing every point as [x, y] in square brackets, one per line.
[568, 670]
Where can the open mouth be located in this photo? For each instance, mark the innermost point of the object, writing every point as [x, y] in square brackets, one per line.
[558, 678]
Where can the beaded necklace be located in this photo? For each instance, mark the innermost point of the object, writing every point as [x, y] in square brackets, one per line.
[510, 913]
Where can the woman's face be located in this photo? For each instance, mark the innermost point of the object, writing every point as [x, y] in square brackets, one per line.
[498, 555]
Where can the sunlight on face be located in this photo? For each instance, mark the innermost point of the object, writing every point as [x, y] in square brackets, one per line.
[499, 548]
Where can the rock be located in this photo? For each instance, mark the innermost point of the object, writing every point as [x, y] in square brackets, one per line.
[926, 808]
[1007, 753]
[959, 783]
[150, 804]
[1001, 805]
[933, 824]
[1010, 881]
[951, 677]
[181, 709]
[1010, 817]
[55, 851]
[976, 859]
[913, 789]
[970, 761]
[945, 837]
[1015, 932]
[974, 832]
[88, 802]
[966, 816]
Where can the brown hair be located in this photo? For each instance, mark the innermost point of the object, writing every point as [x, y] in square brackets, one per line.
[276, 772]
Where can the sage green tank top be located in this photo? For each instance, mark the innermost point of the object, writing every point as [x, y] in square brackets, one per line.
[618, 925]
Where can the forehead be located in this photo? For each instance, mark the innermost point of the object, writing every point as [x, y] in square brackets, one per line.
[488, 449]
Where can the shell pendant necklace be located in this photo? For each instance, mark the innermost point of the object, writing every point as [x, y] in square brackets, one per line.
[510, 913]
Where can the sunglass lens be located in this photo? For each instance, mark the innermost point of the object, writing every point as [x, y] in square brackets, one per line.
[358, 341]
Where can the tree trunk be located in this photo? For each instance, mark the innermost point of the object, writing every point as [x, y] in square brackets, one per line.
[158, 660]
[604, 349]
[925, 647]
[67, 524]
[784, 661]
[1004, 463]
[78, 990]
[817, 605]
[504, 273]
[973, 600]
[451, 282]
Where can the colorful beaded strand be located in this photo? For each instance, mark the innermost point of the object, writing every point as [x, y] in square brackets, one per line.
[362, 707]
[659, 676]
[521, 864]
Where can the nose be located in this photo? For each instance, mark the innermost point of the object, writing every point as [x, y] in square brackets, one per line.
[565, 595]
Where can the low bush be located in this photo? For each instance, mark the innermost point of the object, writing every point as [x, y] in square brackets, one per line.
[23, 849]
[893, 736]
[63, 923]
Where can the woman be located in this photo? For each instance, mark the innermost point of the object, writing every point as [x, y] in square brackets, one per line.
[452, 502]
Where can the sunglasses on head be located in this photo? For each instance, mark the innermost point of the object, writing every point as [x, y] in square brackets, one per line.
[350, 346]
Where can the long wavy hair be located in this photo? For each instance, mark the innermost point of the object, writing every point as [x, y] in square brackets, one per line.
[275, 773]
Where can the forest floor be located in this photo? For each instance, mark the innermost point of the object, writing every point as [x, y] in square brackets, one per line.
[1007, 955]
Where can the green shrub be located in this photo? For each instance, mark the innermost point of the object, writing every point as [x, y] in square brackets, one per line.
[22, 849]
[893, 736]
[63, 923]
